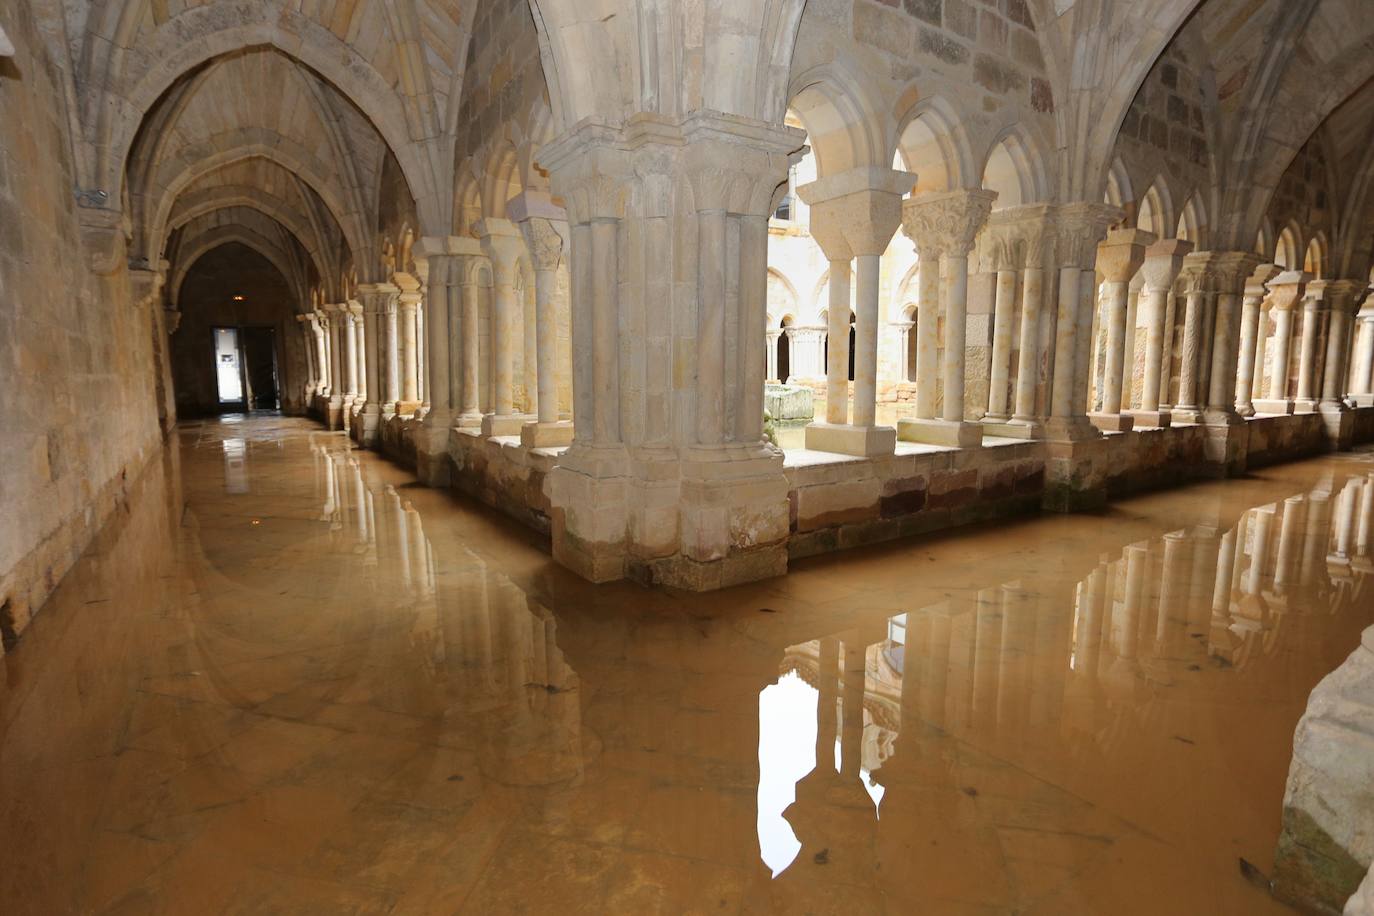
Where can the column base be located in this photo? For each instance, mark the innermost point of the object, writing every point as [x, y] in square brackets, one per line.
[1157, 419]
[546, 435]
[1340, 424]
[952, 433]
[1112, 422]
[1246, 410]
[1186, 415]
[407, 408]
[370, 420]
[1015, 428]
[503, 424]
[469, 421]
[1362, 400]
[1305, 405]
[334, 417]
[1070, 429]
[432, 462]
[843, 439]
[1280, 406]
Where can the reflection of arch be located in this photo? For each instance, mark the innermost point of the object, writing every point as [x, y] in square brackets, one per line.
[1156, 211]
[1289, 244]
[844, 130]
[1192, 223]
[1014, 171]
[1314, 261]
[932, 143]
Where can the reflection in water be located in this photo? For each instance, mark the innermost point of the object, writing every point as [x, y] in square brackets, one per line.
[1002, 670]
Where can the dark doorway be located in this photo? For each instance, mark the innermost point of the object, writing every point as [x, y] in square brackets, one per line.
[851, 346]
[784, 352]
[260, 367]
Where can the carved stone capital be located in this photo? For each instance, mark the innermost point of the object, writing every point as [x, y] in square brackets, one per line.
[946, 222]
[1163, 261]
[1122, 252]
[544, 241]
[1081, 226]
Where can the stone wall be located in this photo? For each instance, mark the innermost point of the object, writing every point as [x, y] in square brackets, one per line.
[80, 415]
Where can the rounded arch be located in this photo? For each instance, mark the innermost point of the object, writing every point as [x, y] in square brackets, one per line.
[1289, 248]
[782, 296]
[1156, 211]
[195, 37]
[1315, 259]
[286, 155]
[501, 178]
[1264, 239]
[1192, 223]
[1120, 192]
[207, 242]
[932, 143]
[467, 206]
[843, 127]
[1013, 168]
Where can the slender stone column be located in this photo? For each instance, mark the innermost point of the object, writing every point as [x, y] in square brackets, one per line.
[334, 322]
[1004, 307]
[374, 297]
[408, 304]
[391, 348]
[545, 227]
[1257, 386]
[1198, 283]
[948, 223]
[440, 271]
[1361, 383]
[355, 309]
[927, 333]
[474, 274]
[311, 372]
[854, 213]
[774, 334]
[1342, 294]
[1285, 290]
[1161, 267]
[837, 342]
[1313, 305]
[806, 344]
[1081, 227]
[1232, 271]
[1128, 365]
[1025, 237]
[1119, 256]
[350, 341]
[502, 242]
[1250, 316]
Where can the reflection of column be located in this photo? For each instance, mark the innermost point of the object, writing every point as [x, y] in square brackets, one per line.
[828, 663]
[1259, 548]
[1126, 625]
[1119, 256]
[1318, 536]
[1348, 518]
[987, 656]
[1290, 530]
[1173, 589]
[852, 704]
[1088, 627]
[1221, 589]
[1362, 538]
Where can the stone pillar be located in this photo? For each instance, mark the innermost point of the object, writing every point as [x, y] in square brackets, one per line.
[312, 376]
[1128, 365]
[504, 246]
[1344, 298]
[334, 322]
[408, 305]
[391, 354]
[355, 309]
[1257, 385]
[1284, 292]
[545, 229]
[854, 214]
[1028, 236]
[807, 343]
[350, 343]
[474, 275]
[374, 297]
[947, 223]
[1362, 385]
[668, 478]
[1250, 317]
[1119, 256]
[773, 336]
[1314, 304]
[1003, 315]
[440, 271]
[1081, 226]
[1198, 282]
[1232, 271]
[1162, 264]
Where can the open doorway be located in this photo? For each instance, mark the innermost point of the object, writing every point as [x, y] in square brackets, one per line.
[246, 368]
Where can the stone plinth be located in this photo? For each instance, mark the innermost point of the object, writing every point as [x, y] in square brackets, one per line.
[789, 402]
[843, 439]
[1112, 422]
[952, 433]
[1327, 843]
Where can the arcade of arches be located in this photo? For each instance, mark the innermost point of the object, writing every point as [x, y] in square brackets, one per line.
[700, 289]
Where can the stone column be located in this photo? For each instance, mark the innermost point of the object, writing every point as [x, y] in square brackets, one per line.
[545, 229]
[1232, 271]
[391, 358]
[1128, 365]
[474, 274]
[355, 309]
[668, 477]
[1119, 256]
[807, 344]
[1081, 227]
[1313, 305]
[1003, 315]
[1161, 267]
[374, 297]
[948, 223]
[1257, 386]
[854, 213]
[440, 271]
[312, 377]
[408, 304]
[773, 335]
[334, 322]
[1361, 383]
[1250, 318]
[1198, 283]
[1344, 298]
[1029, 236]
[1284, 292]
[504, 246]
[350, 343]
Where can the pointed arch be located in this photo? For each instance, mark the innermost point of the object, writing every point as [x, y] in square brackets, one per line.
[1013, 168]
[1120, 192]
[1288, 251]
[1156, 211]
[1316, 258]
[1192, 223]
[843, 125]
[932, 143]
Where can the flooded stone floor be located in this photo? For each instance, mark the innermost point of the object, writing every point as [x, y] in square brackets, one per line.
[288, 679]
